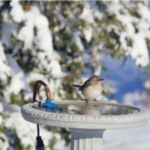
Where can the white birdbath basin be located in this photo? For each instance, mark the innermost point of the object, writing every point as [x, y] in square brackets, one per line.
[87, 123]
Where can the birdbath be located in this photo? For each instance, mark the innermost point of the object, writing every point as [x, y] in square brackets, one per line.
[87, 123]
[86, 130]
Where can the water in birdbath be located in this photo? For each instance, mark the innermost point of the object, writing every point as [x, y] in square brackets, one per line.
[92, 109]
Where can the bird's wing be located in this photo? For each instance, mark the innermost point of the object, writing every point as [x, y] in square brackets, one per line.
[87, 83]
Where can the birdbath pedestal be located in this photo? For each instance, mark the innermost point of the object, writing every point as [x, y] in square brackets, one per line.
[87, 129]
[86, 139]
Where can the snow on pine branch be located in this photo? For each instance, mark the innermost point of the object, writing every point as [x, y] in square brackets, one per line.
[43, 38]
[4, 68]
[18, 81]
[138, 49]
[32, 19]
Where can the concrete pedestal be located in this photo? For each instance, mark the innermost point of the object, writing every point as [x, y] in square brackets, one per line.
[82, 139]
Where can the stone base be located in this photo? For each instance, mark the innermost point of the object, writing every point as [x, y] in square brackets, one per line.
[82, 139]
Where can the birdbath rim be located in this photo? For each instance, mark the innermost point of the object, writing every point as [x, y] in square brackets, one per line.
[36, 116]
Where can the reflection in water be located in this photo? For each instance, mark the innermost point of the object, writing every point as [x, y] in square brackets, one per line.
[91, 110]
[96, 110]
[85, 110]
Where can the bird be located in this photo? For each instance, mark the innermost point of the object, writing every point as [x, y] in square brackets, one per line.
[91, 88]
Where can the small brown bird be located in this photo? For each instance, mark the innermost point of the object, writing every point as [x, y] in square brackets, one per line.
[91, 88]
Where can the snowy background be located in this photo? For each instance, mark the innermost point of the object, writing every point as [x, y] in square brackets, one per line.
[63, 43]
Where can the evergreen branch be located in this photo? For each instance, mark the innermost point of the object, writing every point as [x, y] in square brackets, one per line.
[86, 63]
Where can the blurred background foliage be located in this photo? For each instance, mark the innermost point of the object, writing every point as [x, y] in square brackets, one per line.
[62, 43]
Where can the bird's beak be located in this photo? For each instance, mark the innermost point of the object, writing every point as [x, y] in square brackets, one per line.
[101, 79]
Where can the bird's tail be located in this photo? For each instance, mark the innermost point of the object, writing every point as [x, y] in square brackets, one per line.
[78, 86]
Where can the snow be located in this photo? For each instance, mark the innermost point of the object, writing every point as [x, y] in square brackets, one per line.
[26, 34]
[44, 40]
[19, 82]
[33, 18]
[147, 84]
[3, 142]
[144, 11]
[87, 13]
[30, 16]
[138, 50]
[88, 33]
[108, 87]
[97, 71]
[77, 41]
[18, 77]
[127, 139]
[55, 68]
[16, 12]
[34, 76]
[102, 98]
[41, 22]
[1, 107]
[60, 145]
[98, 15]
[136, 98]
[3, 139]
[4, 68]
[1, 120]
[3, 61]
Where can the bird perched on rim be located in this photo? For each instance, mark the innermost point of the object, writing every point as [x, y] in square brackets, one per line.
[91, 88]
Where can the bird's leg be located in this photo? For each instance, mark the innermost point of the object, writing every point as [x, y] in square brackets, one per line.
[95, 99]
[86, 102]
